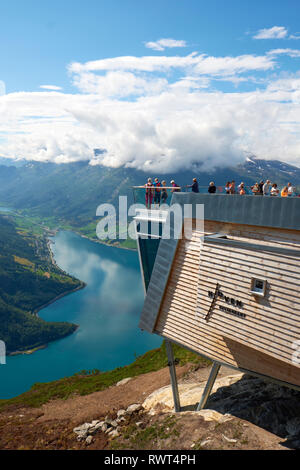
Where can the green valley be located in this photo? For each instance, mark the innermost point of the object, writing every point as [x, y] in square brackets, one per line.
[28, 281]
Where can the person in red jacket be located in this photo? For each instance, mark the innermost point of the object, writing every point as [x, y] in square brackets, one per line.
[149, 193]
[157, 191]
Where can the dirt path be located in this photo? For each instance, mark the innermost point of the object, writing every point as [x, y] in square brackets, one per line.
[51, 426]
[84, 408]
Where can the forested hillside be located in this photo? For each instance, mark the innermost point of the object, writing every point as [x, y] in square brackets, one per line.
[70, 193]
[28, 280]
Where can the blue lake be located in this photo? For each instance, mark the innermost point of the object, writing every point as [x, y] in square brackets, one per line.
[107, 311]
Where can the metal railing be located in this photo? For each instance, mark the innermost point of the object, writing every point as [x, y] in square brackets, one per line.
[154, 197]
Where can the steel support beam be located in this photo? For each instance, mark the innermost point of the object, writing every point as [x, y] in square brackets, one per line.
[209, 385]
[172, 369]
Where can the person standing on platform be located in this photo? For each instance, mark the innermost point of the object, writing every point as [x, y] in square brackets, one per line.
[212, 188]
[242, 189]
[255, 189]
[157, 193]
[176, 188]
[164, 192]
[149, 193]
[274, 190]
[239, 187]
[260, 186]
[266, 188]
[232, 187]
[194, 186]
[290, 189]
[227, 187]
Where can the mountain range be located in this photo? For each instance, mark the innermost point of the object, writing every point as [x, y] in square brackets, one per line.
[70, 193]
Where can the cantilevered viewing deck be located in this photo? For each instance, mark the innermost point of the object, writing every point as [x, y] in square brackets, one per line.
[231, 291]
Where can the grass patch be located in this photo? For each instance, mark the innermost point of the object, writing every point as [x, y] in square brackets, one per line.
[86, 382]
[23, 261]
[148, 438]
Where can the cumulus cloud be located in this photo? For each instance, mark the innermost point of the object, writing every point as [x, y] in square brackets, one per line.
[118, 84]
[277, 32]
[125, 76]
[149, 118]
[162, 44]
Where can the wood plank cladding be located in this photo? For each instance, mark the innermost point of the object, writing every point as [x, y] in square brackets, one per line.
[208, 305]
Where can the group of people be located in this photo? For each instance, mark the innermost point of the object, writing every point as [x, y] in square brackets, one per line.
[261, 189]
[157, 192]
[271, 189]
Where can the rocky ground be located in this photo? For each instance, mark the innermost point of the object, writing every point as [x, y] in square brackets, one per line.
[243, 413]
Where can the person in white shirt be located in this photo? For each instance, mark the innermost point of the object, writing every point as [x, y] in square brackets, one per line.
[274, 190]
[266, 188]
[290, 189]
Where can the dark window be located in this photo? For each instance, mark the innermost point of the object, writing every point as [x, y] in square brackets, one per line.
[258, 287]
[148, 250]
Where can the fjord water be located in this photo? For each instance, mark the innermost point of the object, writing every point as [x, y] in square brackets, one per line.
[107, 311]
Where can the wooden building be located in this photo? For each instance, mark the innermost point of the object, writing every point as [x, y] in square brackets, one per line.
[230, 291]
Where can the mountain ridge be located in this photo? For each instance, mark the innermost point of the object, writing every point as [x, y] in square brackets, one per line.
[66, 196]
[73, 191]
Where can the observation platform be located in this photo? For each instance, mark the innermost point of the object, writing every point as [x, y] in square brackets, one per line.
[230, 292]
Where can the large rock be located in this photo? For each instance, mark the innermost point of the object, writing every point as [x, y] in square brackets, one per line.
[266, 404]
[124, 381]
[190, 394]
[83, 428]
[121, 413]
[293, 426]
[134, 408]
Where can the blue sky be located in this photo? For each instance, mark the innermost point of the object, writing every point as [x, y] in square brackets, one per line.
[121, 74]
[39, 38]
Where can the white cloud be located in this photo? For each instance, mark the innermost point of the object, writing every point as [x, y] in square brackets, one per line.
[287, 89]
[171, 122]
[277, 32]
[162, 44]
[290, 52]
[118, 84]
[201, 63]
[132, 63]
[50, 87]
[232, 65]
[122, 77]
[295, 36]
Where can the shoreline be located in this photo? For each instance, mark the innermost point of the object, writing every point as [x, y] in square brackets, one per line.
[58, 229]
[28, 352]
[82, 285]
[60, 296]
[116, 245]
[36, 311]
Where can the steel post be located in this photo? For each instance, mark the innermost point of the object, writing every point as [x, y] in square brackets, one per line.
[209, 385]
[172, 369]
